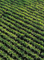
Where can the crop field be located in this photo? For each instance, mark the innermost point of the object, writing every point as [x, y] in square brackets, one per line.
[21, 29]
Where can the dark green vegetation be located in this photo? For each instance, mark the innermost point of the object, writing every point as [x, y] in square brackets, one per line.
[21, 29]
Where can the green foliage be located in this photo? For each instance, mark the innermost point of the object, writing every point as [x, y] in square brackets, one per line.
[22, 29]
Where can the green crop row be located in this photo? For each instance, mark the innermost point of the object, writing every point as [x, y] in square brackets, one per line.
[33, 8]
[39, 46]
[14, 30]
[25, 49]
[9, 51]
[32, 46]
[18, 50]
[12, 10]
[21, 30]
[4, 54]
[24, 32]
[28, 26]
[32, 23]
[35, 33]
[37, 29]
[37, 26]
